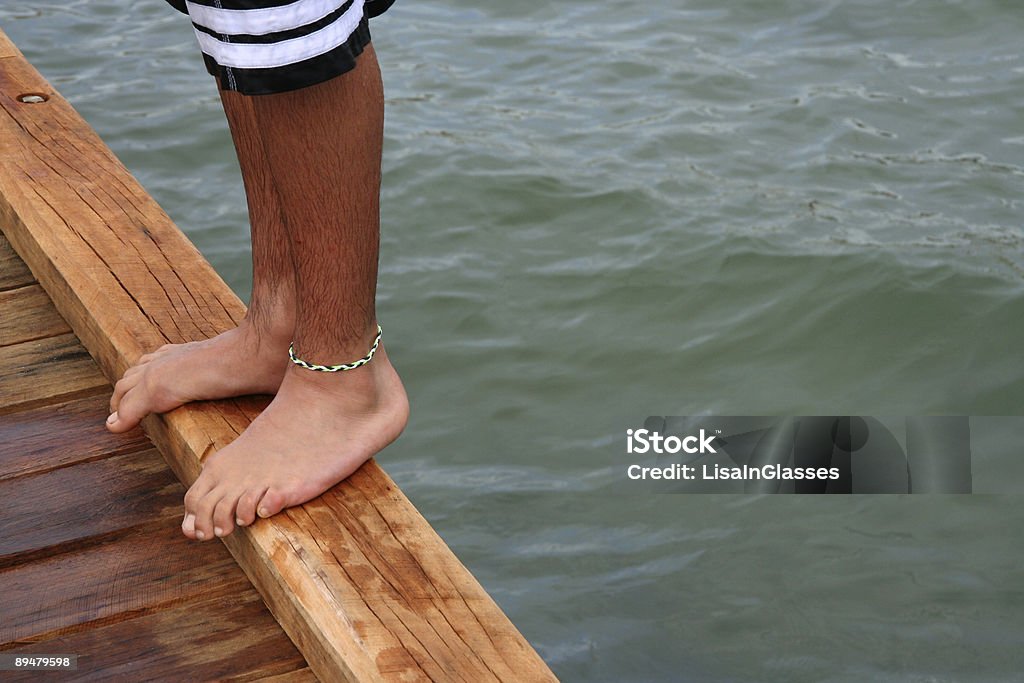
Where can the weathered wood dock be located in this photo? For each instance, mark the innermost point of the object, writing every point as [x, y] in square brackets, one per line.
[354, 585]
[91, 559]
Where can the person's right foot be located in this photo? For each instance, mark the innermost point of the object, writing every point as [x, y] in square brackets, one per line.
[319, 429]
[234, 363]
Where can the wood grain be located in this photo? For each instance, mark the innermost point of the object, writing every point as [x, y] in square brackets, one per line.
[61, 434]
[27, 314]
[303, 675]
[225, 638]
[59, 510]
[142, 571]
[13, 271]
[357, 578]
[7, 48]
[47, 370]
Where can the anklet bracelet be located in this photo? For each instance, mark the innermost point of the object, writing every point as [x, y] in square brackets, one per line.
[337, 368]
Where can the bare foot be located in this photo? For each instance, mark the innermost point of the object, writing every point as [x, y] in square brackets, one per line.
[234, 363]
[318, 430]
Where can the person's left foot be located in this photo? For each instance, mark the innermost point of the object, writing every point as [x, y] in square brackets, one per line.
[316, 432]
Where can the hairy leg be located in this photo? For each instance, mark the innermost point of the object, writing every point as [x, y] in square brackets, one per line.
[323, 146]
[273, 306]
[252, 357]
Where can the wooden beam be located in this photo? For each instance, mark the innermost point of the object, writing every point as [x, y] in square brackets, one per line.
[358, 579]
[7, 48]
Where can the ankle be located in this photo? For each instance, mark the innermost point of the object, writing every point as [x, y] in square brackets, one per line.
[267, 332]
[365, 386]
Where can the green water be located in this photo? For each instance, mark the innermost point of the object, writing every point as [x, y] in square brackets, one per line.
[595, 212]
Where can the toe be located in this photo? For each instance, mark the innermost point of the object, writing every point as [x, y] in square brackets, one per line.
[193, 498]
[200, 487]
[204, 514]
[188, 525]
[271, 503]
[224, 515]
[123, 386]
[245, 511]
[131, 408]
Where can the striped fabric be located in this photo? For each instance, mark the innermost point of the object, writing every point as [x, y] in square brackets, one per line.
[260, 47]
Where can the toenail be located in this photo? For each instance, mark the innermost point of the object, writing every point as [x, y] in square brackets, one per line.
[217, 531]
[113, 418]
[239, 522]
[200, 535]
[263, 512]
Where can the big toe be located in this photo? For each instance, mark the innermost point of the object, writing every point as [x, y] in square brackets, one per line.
[130, 411]
[188, 525]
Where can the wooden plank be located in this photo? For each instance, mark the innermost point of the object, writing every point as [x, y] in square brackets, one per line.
[303, 675]
[46, 370]
[28, 314]
[59, 510]
[358, 579]
[142, 571]
[37, 440]
[13, 271]
[7, 48]
[225, 638]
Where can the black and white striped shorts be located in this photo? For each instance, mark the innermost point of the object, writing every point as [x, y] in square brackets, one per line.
[259, 47]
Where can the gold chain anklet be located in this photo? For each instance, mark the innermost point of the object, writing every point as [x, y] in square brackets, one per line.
[337, 368]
